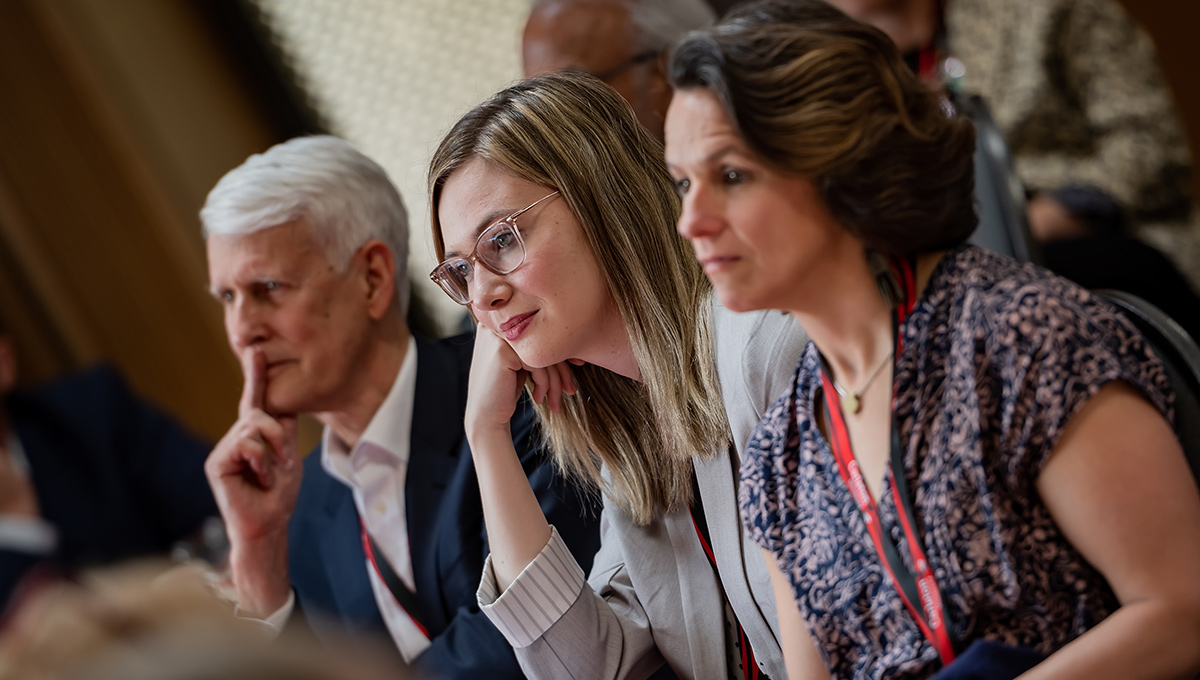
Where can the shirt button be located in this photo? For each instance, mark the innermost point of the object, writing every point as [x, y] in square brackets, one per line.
[380, 508]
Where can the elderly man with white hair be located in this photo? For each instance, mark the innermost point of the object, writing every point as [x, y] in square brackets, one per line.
[307, 247]
[622, 42]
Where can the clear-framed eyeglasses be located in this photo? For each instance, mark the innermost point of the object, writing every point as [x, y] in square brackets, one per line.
[499, 248]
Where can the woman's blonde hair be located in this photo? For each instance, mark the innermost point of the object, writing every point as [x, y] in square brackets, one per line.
[571, 132]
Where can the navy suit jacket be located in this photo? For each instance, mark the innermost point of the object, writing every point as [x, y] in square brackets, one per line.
[116, 477]
[445, 527]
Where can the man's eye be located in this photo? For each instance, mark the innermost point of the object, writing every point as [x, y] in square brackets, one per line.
[267, 287]
[226, 296]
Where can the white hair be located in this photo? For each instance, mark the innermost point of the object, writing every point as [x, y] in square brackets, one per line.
[658, 24]
[345, 197]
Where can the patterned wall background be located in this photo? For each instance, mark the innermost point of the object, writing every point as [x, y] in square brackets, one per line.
[391, 76]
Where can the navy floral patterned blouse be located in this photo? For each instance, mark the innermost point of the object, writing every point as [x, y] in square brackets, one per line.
[997, 358]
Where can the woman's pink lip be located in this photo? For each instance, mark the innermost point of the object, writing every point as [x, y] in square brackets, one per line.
[717, 263]
[514, 327]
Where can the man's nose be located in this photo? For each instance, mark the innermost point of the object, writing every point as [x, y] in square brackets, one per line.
[244, 324]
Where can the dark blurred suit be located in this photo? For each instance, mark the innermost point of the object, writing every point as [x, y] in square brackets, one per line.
[116, 477]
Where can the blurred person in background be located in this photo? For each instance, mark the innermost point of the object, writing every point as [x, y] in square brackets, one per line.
[307, 253]
[147, 621]
[90, 474]
[1075, 87]
[622, 42]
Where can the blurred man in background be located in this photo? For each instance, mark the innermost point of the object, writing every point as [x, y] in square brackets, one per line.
[622, 42]
[91, 474]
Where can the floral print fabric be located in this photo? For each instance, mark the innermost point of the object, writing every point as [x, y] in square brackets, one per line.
[997, 358]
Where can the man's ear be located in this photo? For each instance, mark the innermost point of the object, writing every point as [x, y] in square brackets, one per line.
[379, 275]
[8, 365]
[659, 72]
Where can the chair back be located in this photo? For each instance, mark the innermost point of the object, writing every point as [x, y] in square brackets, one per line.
[999, 193]
[1180, 355]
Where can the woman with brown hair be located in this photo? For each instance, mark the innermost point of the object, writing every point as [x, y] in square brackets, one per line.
[555, 219]
[971, 451]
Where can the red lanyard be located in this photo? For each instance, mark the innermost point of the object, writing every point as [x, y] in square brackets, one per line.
[750, 669]
[929, 57]
[400, 592]
[922, 587]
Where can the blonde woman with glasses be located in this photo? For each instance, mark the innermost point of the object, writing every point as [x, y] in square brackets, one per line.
[555, 219]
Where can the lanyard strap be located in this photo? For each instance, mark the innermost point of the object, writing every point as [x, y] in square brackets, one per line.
[921, 588]
[929, 57]
[749, 663]
[406, 598]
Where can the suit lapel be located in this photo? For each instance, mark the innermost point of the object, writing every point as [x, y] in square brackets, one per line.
[700, 602]
[743, 573]
[435, 448]
[339, 534]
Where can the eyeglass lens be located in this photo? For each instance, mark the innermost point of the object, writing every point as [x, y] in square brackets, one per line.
[499, 249]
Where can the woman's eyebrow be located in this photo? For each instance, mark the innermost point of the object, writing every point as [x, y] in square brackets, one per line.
[486, 221]
[710, 158]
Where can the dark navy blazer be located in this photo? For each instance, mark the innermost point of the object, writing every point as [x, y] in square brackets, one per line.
[116, 477]
[445, 528]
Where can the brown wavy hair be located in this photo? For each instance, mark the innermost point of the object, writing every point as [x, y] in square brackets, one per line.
[571, 132]
[817, 94]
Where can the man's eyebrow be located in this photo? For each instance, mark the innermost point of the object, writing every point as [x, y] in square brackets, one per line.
[486, 221]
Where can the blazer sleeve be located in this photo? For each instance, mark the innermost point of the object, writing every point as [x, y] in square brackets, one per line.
[563, 627]
[471, 646]
[560, 626]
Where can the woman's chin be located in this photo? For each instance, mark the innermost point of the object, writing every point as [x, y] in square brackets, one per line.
[533, 358]
[737, 301]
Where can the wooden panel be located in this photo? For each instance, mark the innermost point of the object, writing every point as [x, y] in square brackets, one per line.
[102, 169]
[1172, 24]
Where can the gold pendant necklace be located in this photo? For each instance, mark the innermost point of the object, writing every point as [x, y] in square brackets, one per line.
[852, 401]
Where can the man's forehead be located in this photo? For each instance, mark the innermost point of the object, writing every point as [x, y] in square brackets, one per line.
[284, 246]
[585, 35]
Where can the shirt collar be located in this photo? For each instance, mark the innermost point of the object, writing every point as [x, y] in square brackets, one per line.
[389, 429]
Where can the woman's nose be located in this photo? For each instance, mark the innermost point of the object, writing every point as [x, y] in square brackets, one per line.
[702, 213]
[488, 290]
